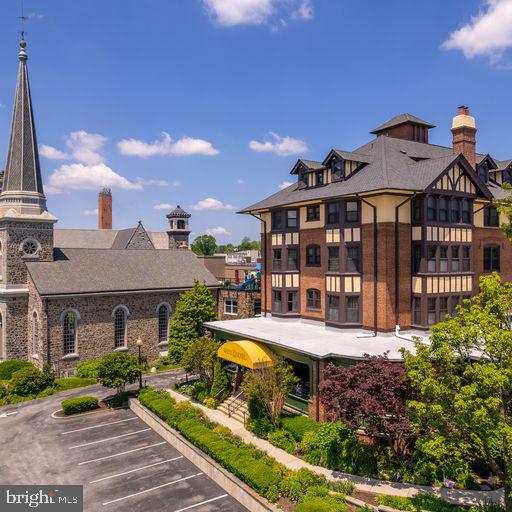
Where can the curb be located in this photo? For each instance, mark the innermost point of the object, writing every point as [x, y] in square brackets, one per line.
[230, 483]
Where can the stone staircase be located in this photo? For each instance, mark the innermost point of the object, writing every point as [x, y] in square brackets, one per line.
[235, 407]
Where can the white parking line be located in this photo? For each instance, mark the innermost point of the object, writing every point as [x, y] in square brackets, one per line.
[202, 503]
[152, 489]
[97, 426]
[134, 470]
[121, 453]
[108, 439]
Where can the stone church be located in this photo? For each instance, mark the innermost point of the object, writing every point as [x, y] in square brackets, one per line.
[69, 295]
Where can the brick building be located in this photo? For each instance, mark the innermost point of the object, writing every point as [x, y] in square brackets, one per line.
[74, 294]
[371, 246]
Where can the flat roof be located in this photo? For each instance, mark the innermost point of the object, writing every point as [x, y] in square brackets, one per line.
[316, 340]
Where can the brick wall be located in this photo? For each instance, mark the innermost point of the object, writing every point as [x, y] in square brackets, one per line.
[312, 277]
[491, 236]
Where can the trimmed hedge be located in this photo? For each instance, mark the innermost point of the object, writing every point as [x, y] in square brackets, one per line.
[88, 369]
[284, 440]
[422, 501]
[298, 425]
[30, 381]
[79, 404]
[7, 368]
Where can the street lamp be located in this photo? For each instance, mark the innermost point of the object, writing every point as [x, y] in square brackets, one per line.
[139, 345]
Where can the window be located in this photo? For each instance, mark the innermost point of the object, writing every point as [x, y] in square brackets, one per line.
[333, 213]
[455, 258]
[466, 258]
[231, 307]
[333, 309]
[431, 208]
[454, 302]
[352, 259]
[416, 310]
[35, 334]
[292, 302]
[351, 211]
[276, 259]
[416, 209]
[466, 211]
[455, 209]
[338, 169]
[292, 255]
[491, 217]
[319, 177]
[119, 327]
[277, 220]
[303, 179]
[257, 307]
[30, 247]
[443, 258]
[443, 209]
[277, 301]
[313, 213]
[352, 309]
[181, 224]
[292, 217]
[431, 311]
[313, 256]
[491, 258]
[301, 370]
[69, 333]
[443, 308]
[313, 299]
[333, 262]
[431, 258]
[483, 171]
[416, 258]
[163, 324]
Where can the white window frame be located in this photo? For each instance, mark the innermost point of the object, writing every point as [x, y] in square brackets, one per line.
[232, 309]
[126, 311]
[76, 316]
[167, 306]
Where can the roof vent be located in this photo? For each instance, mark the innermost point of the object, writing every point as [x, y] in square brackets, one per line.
[403, 152]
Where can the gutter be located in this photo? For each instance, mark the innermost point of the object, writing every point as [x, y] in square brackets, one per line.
[265, 261]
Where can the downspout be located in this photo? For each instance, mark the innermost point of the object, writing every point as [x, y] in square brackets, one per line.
[375, 262]
[264, 250]
[397, 254]
[48, 351]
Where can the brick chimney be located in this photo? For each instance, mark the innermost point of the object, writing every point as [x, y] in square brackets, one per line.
[464, 135]
[105, 209]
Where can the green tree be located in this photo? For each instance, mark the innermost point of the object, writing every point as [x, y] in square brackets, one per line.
[194, 307]
[463, 378]
[270, 386]
[200, 359]
[247, 244]
[118, 369]
[204, 245]
[220, 386]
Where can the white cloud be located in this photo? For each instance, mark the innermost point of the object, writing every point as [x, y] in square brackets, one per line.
[89, 177]
[241, 182]
[163, 206]
[185, 146]
[212, 204]
[89, 213]
[219, 230]
[52, 153]
[282, 146]
[285, 184]
[85, 146]
[488, 34]
[157, 183]
[229, 13]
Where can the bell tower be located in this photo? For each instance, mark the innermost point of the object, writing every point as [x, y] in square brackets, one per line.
[179, 230]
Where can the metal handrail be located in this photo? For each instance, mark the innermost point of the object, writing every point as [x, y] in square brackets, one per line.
[235, 404]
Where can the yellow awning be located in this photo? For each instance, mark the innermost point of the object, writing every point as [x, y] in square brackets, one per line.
[250, 354]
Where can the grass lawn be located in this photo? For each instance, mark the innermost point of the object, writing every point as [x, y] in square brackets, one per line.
[72, 383]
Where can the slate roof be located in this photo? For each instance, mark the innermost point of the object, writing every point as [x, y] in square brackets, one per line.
[401, 119]
[79, 271]
[178, 212]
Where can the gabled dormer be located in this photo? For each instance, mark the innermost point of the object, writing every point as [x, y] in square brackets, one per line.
[310, 173]
[484, 166]
[343, 164]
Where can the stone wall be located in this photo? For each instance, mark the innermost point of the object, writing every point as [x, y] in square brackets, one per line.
[15, 326]
[245, 300]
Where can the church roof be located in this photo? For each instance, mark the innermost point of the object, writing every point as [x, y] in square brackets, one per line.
[23, 172]
[82, 271]
[178, 212]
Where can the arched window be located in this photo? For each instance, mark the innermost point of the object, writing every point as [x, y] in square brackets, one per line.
[163, 323]
[69, 333]
[2, 350]
[120, 327]
[34, 339]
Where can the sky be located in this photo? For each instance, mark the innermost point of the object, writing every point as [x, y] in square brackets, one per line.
[209, 103]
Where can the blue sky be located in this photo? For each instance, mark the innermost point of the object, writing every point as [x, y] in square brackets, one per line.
[208, 103]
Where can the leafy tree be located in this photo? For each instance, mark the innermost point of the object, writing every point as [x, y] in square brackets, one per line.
[505, 207]
[464, 381]
[194, 307]
[204, 245]
[118, 369]
[247, 244]
[200, 359]
[220, 387]
[30, 381]
[230, 248]
[373, 391]
[270, 386]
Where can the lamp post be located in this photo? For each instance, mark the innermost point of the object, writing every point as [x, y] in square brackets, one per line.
[139, 345]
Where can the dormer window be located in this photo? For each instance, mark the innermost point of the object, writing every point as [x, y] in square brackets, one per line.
[303, 179]
[338, 169]
[483, 171]
[319, 178]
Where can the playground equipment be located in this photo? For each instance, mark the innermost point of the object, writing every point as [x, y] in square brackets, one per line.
[253, 281]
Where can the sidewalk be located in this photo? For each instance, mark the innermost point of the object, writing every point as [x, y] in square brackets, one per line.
[461, 497]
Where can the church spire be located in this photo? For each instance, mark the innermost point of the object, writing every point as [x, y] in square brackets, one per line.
[22, 188]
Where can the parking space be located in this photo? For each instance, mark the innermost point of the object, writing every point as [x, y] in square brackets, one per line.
[125, 465]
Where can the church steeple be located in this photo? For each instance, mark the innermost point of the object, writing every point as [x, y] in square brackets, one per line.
[22, 190]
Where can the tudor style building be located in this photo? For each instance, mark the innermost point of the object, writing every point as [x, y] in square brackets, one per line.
[373, 243]
[69, 295]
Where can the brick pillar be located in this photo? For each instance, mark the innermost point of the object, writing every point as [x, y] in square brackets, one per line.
[464, 135]
[105, 209]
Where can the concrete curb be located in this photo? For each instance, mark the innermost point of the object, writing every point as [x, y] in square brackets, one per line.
[230, 483]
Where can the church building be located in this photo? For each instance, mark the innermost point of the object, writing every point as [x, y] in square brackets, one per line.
[70, 295]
